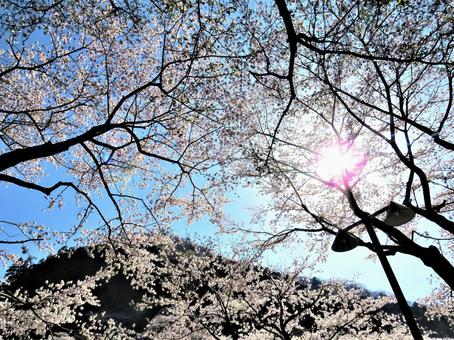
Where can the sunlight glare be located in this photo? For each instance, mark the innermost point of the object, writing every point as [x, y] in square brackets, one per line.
[339, 162]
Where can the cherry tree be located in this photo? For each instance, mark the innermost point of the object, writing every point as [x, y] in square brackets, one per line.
[146, 112]
[192, 292]
[354, 110]
[120, 104]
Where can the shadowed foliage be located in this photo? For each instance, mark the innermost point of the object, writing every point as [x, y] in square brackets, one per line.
[118, 297]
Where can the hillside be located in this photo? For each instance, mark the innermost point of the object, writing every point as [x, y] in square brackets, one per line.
[166, 289]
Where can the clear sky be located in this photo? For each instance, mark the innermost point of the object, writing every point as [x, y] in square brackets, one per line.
[26, 205]
[414, 277]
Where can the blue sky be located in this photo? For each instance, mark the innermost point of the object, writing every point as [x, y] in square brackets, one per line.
[414, 277]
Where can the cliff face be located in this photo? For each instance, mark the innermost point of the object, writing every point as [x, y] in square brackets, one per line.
[181, 291]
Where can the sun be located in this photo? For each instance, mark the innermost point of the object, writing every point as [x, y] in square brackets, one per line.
[339, 163]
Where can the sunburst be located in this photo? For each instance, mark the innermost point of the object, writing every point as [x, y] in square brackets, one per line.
[339, 163]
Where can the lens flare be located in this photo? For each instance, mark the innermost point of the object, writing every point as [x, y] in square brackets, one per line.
[340, 163]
